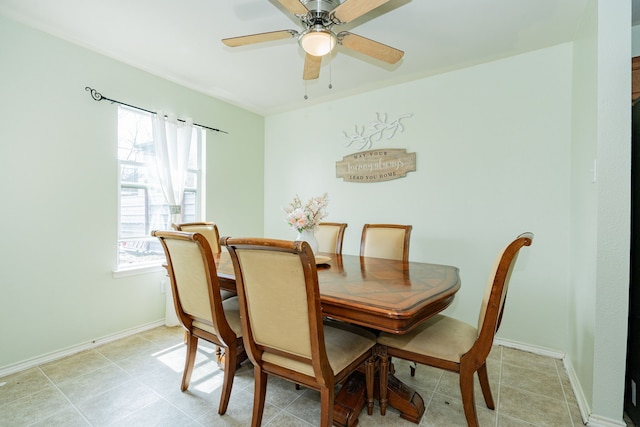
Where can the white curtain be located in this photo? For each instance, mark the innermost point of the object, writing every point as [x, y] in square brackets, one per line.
[172, 142]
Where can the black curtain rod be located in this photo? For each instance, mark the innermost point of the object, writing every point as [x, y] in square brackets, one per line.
[98, 97]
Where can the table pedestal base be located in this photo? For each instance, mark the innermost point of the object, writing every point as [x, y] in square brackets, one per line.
[350, 401]
[352, 398]
[405, 399]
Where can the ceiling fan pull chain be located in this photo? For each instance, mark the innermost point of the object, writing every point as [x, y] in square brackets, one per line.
[305, 90]
[330, 62]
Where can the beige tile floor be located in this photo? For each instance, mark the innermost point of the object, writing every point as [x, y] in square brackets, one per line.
[135, 381]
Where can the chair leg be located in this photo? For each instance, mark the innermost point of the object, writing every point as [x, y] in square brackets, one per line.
[259, 392]
[484, 385]
[468, 400]
[384, 380]
[192, 349]
[326, 405]
[370, 371]
[227, 383]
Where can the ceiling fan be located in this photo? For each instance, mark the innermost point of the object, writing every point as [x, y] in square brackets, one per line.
[317, 17]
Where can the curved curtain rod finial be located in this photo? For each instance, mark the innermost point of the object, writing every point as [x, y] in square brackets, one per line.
[94, 93]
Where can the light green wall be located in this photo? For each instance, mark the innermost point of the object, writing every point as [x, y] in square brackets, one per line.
[600, 211]
[614, 189]
[584, 191]
[59, 190]
[493, 155]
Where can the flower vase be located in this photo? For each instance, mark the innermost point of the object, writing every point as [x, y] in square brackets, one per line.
[310, 237]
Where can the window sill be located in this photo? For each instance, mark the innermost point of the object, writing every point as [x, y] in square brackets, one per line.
[137, 270]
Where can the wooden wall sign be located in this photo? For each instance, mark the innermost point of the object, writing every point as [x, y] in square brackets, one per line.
[379, 165]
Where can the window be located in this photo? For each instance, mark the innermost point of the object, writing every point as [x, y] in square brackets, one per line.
[142, 206]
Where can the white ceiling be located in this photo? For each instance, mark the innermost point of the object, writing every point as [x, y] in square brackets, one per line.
[180, 41]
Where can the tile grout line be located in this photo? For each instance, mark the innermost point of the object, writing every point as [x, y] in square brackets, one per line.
[433, 393]
[65, 397]
[564, 393]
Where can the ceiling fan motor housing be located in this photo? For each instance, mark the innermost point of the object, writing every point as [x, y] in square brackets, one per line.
[319, 14]
[321, 5]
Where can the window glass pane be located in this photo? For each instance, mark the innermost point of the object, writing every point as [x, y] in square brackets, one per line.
[192, 180]
[139, 252]
[189, 206]
[135, 135]
[134, 204]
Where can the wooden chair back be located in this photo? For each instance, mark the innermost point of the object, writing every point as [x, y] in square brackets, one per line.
[207, 229]
[389, 241]
[330, 236]
[268, 273]
[495, 295]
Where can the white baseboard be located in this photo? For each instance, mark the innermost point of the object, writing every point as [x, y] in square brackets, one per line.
[589, 419]
[597, 421]
[542, 351]
[49, 357]
[583, 405]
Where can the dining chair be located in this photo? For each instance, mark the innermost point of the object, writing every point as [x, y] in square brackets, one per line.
[451, 344]
[199, 306]
[210, 231]
[389, 241]
[283, 329]
[330, 236]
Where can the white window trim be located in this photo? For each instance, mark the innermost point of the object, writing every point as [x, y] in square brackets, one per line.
[137, 270]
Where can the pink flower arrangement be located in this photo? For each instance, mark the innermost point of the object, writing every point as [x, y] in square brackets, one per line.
[306, 217]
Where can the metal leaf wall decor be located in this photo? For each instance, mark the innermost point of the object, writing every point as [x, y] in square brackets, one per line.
[363, 137]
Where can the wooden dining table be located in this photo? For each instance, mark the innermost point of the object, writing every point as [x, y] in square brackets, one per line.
[380, 294]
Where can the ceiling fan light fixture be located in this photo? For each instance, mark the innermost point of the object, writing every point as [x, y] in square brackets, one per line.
[317, 41]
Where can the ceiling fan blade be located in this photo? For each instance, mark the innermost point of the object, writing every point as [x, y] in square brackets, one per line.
[369, 47]
[259, 38]
[294, 6]
[311, 67]
[352, 9]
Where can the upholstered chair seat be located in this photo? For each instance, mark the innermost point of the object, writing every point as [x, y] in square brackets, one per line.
[440, 336]
[231, 313]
